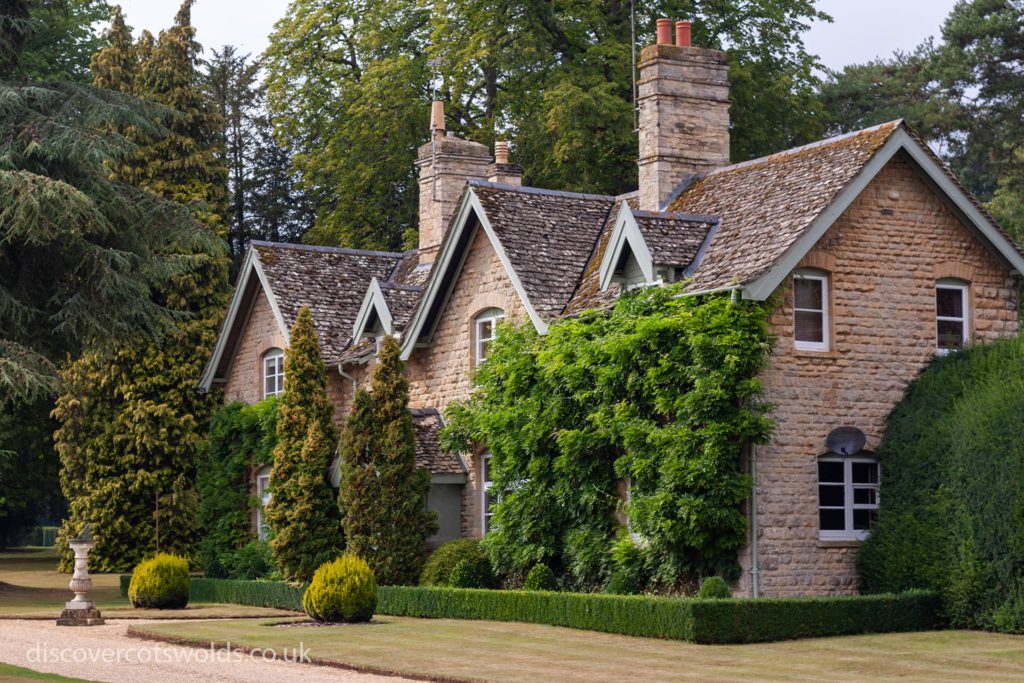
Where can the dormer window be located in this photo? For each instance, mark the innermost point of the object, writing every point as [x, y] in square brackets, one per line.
[485, 328]
[810, 311]
[951, 315]
[273, 373]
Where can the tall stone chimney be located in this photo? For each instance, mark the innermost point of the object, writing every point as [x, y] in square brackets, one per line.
[445, 164]
[683, 100]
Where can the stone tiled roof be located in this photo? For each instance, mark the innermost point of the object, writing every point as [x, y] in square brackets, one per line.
[766, 204]
[427, 422]
[674, 239]
[331, 281]
[408, 271]
[548, 236]
[401, 301]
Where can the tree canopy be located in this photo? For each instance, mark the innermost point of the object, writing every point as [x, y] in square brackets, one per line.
[349, 82]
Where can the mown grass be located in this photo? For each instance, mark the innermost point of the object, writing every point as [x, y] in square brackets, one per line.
[496, 651]
[31, 587]
[9, 672]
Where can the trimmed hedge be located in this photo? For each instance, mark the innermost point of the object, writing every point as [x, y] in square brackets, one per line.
[735, 620]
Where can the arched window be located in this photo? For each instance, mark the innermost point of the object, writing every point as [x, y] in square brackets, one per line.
[263, 496]
[952, 315]
[485, 330]
[847, 496]
[273, 372]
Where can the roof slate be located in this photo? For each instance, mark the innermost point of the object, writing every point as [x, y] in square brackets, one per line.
[548, 237]
[331, 281]
[427, 422]
[766, 204]
[674, 239]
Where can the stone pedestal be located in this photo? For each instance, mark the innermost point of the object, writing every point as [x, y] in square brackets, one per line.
[81, 611]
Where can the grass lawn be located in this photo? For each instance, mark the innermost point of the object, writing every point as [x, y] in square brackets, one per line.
[16, 673]
[30, 587]
[496, 651]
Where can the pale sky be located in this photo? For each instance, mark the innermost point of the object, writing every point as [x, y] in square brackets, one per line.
[862, 30]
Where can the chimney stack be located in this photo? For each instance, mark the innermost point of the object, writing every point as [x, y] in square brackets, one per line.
[445, 164]
[501, 171]
[684, 113]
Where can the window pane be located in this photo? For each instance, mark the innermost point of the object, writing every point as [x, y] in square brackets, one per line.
[831, 496]
[809, 326]
[485, 329]
[863, 520]
[863, 496]
[482, 353]
[268, 386]
[949, 303]
[830, 471]
[485, 469]
[832, 520]
[950, 334]
[865, 473]
[807, 293]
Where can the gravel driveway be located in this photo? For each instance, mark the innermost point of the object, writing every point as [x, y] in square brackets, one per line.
[106, 653]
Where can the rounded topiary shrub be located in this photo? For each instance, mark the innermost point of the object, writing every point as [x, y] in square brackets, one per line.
[161, 582]
[344, 589]
[440, 567]
[714, 588]
[540, 578]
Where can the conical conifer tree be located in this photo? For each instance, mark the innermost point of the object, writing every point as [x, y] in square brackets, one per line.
[383, 494]
[116, 66]
[301, 512]
[132, 418]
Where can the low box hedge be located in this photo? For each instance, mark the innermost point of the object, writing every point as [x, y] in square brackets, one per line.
[736, 620]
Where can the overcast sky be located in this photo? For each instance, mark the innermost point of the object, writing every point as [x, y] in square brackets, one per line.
[862, 30]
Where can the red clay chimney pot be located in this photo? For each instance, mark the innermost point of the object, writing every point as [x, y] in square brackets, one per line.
[664, 31]
[683, 33]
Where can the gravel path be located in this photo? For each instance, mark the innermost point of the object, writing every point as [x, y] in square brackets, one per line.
[106, 653]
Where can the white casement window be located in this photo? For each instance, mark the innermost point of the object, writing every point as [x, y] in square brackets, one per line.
[810, 311]
[847, 497]
[273, 372]
[486, 499]
[951, 316]
[485, 331]
[263, 495]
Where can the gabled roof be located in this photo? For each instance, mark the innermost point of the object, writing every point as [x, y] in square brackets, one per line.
[774, 209]
[544, 240]
[330, 281]
[646, 246]
[428, 422]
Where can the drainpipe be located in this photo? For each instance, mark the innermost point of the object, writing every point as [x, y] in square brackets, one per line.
[355, 382]
[755, 581]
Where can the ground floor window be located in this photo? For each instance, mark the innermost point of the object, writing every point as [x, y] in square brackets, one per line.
[847, 496]
[263, 495]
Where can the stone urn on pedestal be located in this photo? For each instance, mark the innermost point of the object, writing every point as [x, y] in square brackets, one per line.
[81, 611]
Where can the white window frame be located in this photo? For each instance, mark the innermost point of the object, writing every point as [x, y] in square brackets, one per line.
[633, 534]
[485, 488]
[964, 289]
[263, 495]
[275, 356]
[849, 533]
[824, 344]
[492, 316]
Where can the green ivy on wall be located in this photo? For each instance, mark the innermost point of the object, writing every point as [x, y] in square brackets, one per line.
[661, 391]
[242, 438]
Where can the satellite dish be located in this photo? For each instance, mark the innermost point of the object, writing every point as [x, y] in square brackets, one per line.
[845, 440]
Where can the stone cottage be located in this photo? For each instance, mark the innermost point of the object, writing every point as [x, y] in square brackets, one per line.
[877, 256]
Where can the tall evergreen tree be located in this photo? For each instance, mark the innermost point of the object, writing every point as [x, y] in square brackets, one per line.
[131, 417]
[80, 252]
[301, 512]
[383, 495]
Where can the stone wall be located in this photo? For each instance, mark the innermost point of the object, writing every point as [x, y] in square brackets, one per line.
[443, 371]
[261, 334]
[884, 255]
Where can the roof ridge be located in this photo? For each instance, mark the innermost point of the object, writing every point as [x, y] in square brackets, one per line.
[326, 250]
[476, 182]
[895, 123]
[404, 288]
[677, 215]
